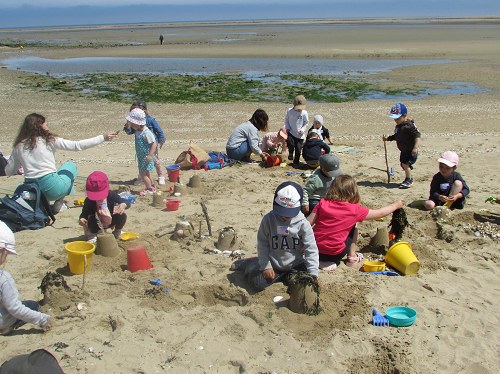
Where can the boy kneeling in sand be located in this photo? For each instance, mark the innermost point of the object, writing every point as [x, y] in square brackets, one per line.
[285, 242]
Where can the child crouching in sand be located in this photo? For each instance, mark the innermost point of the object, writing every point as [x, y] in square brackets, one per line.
[285, 242]
[102, 207]
[13, 312]
[334, 222]
[447, 187]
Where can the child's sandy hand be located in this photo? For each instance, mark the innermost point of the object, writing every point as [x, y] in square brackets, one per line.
[120, 209]
[384, 138]
[399, 203]
[148, 158]
[82, 222]
[269, 274]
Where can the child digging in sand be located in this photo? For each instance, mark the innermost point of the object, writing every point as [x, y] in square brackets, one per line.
[447, 187]
[102, 205]
[334, 222]
[407, 138]
[13, 312]
[145, 147]
[318, 184]
[285, 242]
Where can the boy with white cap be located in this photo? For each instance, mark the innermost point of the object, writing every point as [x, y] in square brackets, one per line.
[285, 242]
[447, 187]
[13, 312]
[407, 138]
[322, 130]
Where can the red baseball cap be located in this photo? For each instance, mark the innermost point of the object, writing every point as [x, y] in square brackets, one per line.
[97, 186]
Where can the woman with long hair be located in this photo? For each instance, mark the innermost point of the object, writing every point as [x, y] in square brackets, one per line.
[34, 149]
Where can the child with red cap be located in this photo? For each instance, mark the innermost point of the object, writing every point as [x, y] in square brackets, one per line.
[102, 207]
[447, 187]
[13, 312]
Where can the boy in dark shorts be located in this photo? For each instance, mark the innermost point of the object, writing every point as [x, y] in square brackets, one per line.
[448, 188]
[407, 138]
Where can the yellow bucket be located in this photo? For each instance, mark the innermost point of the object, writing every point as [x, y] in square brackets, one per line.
[401, 257]
[79, 256]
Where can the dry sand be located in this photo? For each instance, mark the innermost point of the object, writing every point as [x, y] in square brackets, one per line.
[209, 321]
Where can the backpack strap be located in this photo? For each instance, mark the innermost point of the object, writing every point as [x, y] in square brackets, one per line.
[46, 206]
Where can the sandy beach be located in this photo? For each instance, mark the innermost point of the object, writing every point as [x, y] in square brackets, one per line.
[209, 320]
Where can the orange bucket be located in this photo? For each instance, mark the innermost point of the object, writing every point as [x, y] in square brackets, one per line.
[273, 161]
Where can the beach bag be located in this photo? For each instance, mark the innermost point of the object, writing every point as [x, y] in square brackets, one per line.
[217, 160]
[27, 209]
[36, 362]
[193, 158]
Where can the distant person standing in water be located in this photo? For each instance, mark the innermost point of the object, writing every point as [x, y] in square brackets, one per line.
[161, 39]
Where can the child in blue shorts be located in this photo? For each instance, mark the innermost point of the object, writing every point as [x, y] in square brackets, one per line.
[407, 138]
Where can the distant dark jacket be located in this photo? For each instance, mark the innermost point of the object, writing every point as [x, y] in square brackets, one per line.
[311, 150]
[405, 134]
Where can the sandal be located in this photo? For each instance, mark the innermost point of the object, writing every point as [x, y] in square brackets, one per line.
[327, 265]
[351, 261]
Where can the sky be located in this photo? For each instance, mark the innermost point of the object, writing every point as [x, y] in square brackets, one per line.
[31, 13]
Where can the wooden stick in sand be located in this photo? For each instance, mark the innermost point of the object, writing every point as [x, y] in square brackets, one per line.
[387, 163]
[207, 218]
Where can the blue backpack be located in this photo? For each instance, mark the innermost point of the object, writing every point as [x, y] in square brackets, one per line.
[27, 209]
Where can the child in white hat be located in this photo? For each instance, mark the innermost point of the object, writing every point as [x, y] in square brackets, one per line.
[447, 187]
[285, 242]
[13, 312]
[145, 147]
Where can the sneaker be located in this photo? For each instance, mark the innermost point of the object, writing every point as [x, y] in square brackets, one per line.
[59, 206]
[147, 191]
[407, 183]
[327, 265]
[161, 180]
[92, 240]
[138, 181]
[238, 264]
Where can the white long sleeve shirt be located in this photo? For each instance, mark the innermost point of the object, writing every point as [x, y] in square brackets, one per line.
[11, 308]
[296, 123]
[41, 160]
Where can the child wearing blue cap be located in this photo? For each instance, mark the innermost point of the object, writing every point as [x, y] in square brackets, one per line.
[285, 242]
[407, 139]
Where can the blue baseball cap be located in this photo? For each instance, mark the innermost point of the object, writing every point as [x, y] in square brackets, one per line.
[397, 111]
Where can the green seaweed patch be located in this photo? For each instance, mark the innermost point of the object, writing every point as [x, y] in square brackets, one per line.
[190, 88]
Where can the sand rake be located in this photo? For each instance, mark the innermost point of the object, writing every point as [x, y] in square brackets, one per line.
[378, 319]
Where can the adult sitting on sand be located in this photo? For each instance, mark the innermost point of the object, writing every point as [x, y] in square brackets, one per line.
[244, 140]
[34, 149]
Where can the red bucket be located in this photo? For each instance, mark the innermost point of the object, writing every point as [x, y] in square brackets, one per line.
[173, 172]
[172, 204]
[137, 259]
